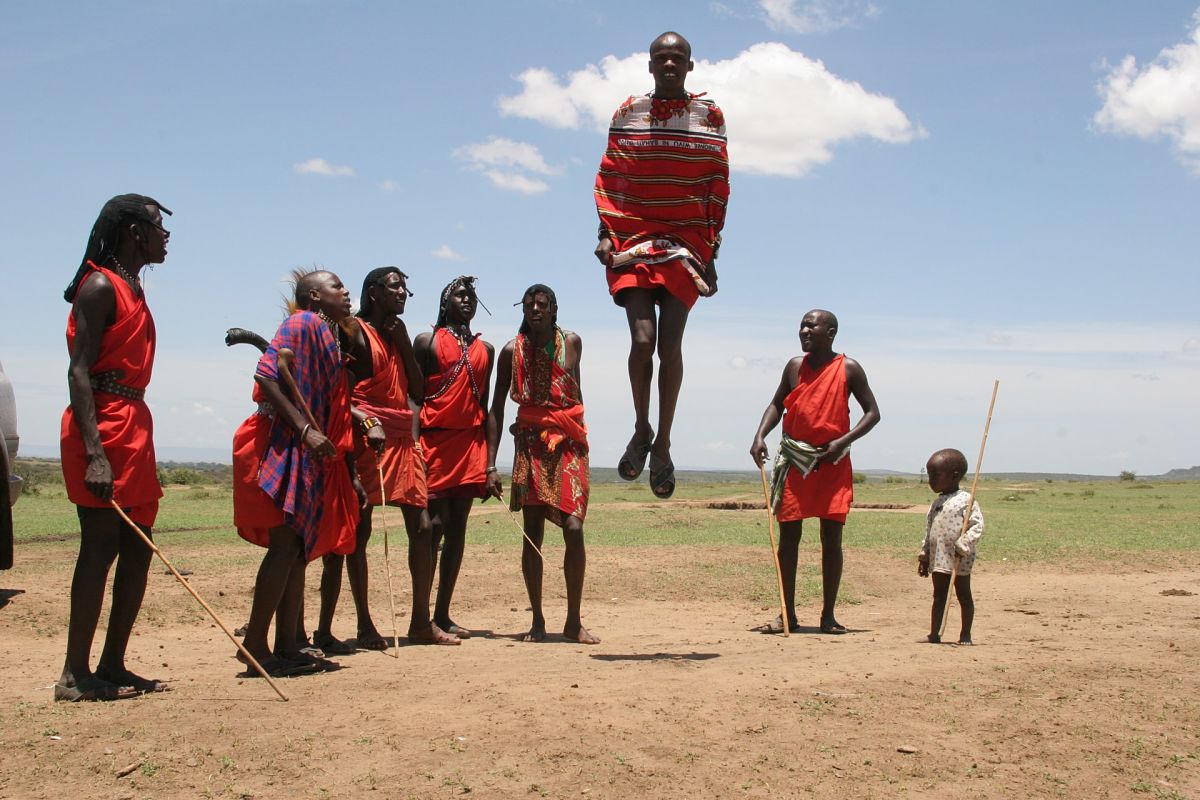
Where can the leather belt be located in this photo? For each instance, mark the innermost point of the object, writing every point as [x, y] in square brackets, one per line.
[107, 382]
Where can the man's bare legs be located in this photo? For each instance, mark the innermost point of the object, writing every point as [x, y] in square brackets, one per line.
[789, 558]
[831, 573]
[420, 566]
[368, 636]
[640, 312]
[831, 569]
[574, 568]
[449, 520]
[655, 328]
[103, 540]
[284, 556]
[531, 569]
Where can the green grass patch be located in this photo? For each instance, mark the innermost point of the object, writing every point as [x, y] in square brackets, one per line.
[1102, 519]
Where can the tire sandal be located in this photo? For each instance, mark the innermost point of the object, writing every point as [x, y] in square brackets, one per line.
[662, 478]
[630, 467]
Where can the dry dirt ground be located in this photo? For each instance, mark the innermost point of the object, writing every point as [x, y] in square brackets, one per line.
[1083, 683]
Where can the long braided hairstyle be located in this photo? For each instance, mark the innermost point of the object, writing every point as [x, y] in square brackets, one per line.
[375, 278]
[108, 230]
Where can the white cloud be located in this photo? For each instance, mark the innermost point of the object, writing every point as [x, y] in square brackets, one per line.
[447, 253]
[1160, 100]
[515, 182]
[388, 186]
[1191, 345]
[766, 136]
[999, 339]
[319, 166]
[498, 152]
[515, 159]
[815, 16]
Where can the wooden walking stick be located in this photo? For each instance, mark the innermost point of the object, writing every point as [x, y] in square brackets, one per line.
[241, 649]
[762, 471]
[521, 528]
[387, 561]
[970, 503]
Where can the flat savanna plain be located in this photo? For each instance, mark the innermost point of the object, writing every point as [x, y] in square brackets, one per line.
[1082, 682]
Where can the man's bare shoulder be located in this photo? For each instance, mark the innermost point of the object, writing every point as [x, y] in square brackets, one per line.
[852, 367]
[95, 295]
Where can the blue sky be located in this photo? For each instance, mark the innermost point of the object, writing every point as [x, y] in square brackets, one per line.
[978, 190]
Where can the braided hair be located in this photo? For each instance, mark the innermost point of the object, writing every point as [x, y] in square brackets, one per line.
[374, 278]
[108, 230]
[539, 288]
[462, 281]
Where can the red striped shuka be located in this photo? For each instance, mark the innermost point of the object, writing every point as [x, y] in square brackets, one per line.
[661, 193]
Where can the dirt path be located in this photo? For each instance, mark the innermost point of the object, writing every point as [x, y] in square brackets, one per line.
[1082, 684]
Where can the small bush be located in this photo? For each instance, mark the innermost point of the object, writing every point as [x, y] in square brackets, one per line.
[895, 479]
[860, 478]
[1128, 475]
[180, 475]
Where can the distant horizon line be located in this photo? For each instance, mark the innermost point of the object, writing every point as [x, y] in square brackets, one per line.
[47, 453]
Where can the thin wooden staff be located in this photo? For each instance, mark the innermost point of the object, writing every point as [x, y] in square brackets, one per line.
[241, 648]
[512, 515]
[762, 471]
[387, 561]
[970, 503]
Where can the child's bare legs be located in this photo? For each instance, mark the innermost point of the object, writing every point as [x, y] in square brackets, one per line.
[962, 589]
[941, 592]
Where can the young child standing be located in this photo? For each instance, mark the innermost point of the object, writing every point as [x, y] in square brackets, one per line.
[947, 548]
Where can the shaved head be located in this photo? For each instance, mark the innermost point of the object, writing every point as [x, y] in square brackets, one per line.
[307, 282]
[827, 317]
[950, 459]
[671, 37]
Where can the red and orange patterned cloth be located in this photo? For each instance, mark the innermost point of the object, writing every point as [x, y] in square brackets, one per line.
[385, 396]
[125, 425]
[452, 431]
[663, 184]
[550, 464]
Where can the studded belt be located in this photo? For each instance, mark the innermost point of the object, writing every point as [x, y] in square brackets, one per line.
[107, 382]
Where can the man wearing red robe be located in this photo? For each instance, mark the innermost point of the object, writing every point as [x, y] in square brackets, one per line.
[813, 475]
[550, 461]
[107, 441]
[457, 365]
[661, 193]
[295, 490]
[386, 412]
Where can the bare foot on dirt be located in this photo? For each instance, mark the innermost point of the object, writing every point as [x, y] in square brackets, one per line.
[581, 635]
[123, 677]
[536, 634]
